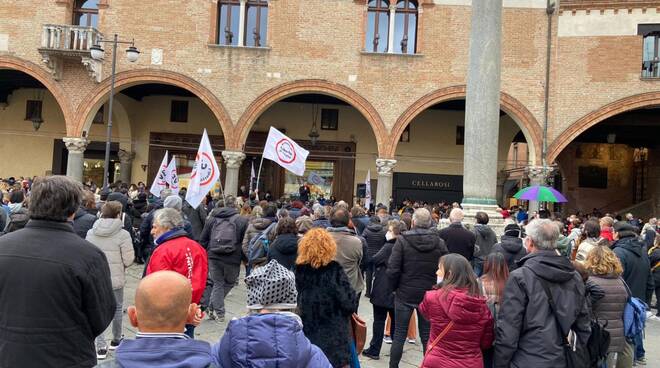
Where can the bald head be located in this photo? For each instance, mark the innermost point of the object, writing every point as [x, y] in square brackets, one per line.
[456, 215]
[162, 303]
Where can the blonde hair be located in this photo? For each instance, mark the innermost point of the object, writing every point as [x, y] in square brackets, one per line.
[317, 248]
[602, 261]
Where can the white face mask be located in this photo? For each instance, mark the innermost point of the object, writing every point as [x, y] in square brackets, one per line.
[439, 280]
[389, 236]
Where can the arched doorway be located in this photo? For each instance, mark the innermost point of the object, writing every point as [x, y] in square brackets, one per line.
[610, 159]
[350, 134]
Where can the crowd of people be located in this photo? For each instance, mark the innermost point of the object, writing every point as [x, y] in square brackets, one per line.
[548, 291]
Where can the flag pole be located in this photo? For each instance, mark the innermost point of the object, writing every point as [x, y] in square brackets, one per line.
[256, 189]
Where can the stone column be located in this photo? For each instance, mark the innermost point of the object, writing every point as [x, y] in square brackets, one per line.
[536, 176]
[233, 161]
[125, 165]
[482, 112]
[74, 165]
[390, 38]
[241, 23]
[502, 177]
[385, 168]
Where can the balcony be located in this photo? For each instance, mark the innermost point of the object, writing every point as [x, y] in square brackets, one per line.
[61, 42]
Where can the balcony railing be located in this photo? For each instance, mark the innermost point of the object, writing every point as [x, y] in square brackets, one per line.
[69, 38]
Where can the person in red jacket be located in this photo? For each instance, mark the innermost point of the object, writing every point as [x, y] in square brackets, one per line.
[174, 251]
[461, 323]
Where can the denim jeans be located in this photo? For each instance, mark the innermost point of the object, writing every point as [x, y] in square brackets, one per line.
[478, 265]
[100, 341]
[380, 315]
[224, 278]
[639, 346]
[402, 313]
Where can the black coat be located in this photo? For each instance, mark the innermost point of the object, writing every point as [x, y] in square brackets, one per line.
[485, 238]
[83, 222]
[284, 250]
[413, 264]
[382, 291]
[636, 266]
[526, 332]
[55, 297]
[197, 218]
[512, 249]
[459, 240]
[326, 300]
[654, 258]
[374, 234]
[237, 256]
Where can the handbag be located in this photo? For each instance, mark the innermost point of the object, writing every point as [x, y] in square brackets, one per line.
[436, 341]
[359, 332]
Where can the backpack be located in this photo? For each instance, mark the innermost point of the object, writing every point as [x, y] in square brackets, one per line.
[634, 316]
[259, 247]
[224, 239]
[17, 221]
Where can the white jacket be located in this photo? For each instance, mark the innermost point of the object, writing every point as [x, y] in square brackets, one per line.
[115, 242]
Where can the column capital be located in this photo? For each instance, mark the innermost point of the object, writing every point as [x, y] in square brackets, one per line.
[233, 159]
[539, 173]
[75, 144]
[385, 166]
[125, 157]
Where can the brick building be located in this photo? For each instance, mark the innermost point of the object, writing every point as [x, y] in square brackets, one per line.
[381, 82]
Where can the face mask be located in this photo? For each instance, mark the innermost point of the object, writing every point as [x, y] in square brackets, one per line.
[439, 280]
[389, 236]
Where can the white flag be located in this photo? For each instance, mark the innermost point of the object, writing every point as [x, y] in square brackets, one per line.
[367, 190]
[315, 178]
[285, 152]
[160, 180]
[205, 173]
[253, 177]
[172, 177]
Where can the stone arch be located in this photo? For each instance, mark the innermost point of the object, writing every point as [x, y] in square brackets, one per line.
[514, 108]
[596, 116]
[273, 95]
[40, 74]
[123, 80]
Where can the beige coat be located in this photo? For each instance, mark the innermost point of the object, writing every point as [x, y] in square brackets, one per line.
[109, 236]
[349, 255]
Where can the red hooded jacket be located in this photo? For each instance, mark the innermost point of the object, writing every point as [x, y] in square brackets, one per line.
[472, 330]
[606, 232]
[183, 255]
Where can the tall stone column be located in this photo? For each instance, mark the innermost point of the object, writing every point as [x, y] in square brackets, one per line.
[385, 168]
[76, 147]
[537, 176]
[482, 111]
[125, 165]
[233, 161]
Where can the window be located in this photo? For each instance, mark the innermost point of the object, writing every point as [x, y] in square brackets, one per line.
[33, 110]
[460, 135]
[405, 136]
[179, 111]
[329, 119]
[378, 26]
[253, 30]
[98, 118]
[405, 26]
[86, 13]
[256, 23]
[401, 20]
[650, 60]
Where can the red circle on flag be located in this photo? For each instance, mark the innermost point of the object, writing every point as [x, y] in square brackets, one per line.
[286, 151]
[210, 174]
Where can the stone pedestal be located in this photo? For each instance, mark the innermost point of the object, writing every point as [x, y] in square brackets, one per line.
[537, 176]
[76, 147]
[385, 168]
[233, 161]
[125, 165]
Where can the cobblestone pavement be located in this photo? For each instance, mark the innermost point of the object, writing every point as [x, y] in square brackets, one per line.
[212, 331]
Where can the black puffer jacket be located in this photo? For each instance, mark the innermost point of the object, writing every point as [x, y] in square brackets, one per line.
[284, 250]
[636, 265]
[241, 222]
[382, 292]
[83, 222]
[413, 264]
[325, 301]
[513, 250]
[374, 234]
[459, 240]
[485, 239]
[526, 333]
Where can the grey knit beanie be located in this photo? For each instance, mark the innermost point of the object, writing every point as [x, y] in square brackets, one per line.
[173, 201]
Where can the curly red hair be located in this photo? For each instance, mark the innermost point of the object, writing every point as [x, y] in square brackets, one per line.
[317, 249]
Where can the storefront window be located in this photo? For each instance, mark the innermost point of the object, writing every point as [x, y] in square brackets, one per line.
[93, 170]
[318, 174]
